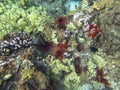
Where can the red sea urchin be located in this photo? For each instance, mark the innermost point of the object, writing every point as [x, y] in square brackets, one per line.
[61, 21]
[60, 49]
[46, 46]
[100, 77]
[43, 45]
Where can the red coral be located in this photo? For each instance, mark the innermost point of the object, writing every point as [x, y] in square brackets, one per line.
[100, 77]
[60, 50]
[61, 21]
[93, 31]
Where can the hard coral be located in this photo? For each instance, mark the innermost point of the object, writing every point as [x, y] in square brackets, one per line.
[15, 41]
[100, 77]
[61, 21]
[60, 49]
[93, 31]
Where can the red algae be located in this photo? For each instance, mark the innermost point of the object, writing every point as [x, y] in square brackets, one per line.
[93, 31]
[100, 77]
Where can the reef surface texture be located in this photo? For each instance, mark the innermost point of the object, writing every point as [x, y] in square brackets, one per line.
[59, 44]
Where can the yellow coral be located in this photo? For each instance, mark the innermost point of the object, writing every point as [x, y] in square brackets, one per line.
[26, 71]
[15, 18]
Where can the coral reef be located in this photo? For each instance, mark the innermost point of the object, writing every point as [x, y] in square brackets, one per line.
[45, 46]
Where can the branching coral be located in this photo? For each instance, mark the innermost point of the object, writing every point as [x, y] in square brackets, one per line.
[15, 18]
[72, 81]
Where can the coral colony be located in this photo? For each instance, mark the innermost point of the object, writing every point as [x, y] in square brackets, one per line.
[14, 41]
[45, 45]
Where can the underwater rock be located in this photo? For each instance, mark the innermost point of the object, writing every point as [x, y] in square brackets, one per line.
[117, 19]
[39, 82]
[109, 38]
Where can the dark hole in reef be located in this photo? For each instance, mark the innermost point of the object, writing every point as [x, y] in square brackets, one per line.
[93, 49]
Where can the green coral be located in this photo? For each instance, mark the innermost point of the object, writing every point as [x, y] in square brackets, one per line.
[57, 66]
[99, 61]
[94, 62]
[91, 67]
[72, 81]
[24, 3]
[15, 18]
